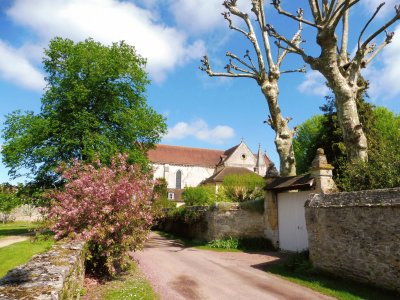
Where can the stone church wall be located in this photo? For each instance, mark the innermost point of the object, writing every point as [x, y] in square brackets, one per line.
[191, 175]
[357, 235]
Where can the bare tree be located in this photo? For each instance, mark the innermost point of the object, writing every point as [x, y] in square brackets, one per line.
[266, 74]
[342, 72]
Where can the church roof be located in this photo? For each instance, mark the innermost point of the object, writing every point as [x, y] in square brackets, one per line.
[177, 155]
[219, 176]
[187, 156]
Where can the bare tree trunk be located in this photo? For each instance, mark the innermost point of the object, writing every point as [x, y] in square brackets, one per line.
[353, 133]
[345, 96]
[283, 134]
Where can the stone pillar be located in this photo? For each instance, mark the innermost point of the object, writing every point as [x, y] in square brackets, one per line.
[271, 209]
[322, 172]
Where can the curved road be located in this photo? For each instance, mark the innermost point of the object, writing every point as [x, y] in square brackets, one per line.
[177, 272]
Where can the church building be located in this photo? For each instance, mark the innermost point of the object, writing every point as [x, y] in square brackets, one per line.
[188, 167]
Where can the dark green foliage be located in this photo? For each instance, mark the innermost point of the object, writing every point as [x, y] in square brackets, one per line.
[243, 187]
[8, 201]
[199, 196]
[382, 128]
[253, 205]
[94, 106]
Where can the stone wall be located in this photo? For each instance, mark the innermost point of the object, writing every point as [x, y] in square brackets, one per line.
[56, 274]
[217, 223]
[357, 235]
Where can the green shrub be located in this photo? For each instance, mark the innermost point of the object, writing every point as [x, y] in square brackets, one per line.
[246, 244]
[230, 243]
[381, 171]
[199, 196]
[243, 187]
[253, 205]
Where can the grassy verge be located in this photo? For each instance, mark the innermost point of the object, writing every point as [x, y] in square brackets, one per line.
[131, 285]
[16, 228]
[19, 253]
[299, 270]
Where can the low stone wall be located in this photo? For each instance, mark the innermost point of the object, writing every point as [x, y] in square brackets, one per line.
[357, 235]
[56, 274]
[217, 223]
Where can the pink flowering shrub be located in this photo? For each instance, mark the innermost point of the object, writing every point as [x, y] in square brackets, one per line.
[109, 207]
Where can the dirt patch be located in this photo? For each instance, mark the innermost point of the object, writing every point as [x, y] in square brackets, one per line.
[186, 287]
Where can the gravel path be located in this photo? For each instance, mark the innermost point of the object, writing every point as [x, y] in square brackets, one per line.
[12, 239]
[177, 272]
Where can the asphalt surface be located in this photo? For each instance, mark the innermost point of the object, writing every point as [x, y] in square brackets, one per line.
[177, 272]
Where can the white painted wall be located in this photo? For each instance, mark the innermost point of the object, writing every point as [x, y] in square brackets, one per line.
[237, 160]
[191, 175]
[292, 222]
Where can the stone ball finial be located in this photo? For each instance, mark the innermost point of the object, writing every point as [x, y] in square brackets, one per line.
[320, 151]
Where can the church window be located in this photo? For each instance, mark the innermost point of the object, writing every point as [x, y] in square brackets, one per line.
[243, 156]
[179, 179]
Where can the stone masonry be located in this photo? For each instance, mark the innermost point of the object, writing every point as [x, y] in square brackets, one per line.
[55, 275]
[356, 235]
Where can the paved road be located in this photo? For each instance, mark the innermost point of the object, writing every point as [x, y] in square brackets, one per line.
[12, 239]
[186, 273]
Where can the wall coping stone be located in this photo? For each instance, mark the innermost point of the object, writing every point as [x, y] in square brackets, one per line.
[55, 274]
[370, 198]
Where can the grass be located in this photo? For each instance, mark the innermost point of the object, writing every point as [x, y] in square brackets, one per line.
[131, 285]
[19, 253]
[16, 228]
[299, 270]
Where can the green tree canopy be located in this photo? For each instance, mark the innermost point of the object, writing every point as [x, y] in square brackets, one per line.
[382, 128]
[93, 106]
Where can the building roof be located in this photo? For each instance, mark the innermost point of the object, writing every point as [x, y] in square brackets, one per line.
[187, 156]
[177, 155]
[303, 182]
[219, 176]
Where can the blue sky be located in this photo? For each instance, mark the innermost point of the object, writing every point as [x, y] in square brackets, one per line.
[173, 35]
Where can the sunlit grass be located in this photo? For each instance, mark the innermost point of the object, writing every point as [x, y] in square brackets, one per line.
[20, 253]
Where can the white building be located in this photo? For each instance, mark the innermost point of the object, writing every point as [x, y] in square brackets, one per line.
[187, 167]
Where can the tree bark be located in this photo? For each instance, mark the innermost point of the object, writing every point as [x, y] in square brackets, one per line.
[346, 94]
[283, 134]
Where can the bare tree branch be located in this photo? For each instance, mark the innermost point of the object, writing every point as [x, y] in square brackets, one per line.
[207, 68]
[300, 70]
[314, 9]
[345, 39]
[295, 40]
[231, 26]
[247, 55]
[383, 28]
[339, 12]
[277, 6]
[388, 40]
[233, 56]
[369, 22]
[258, 10]
[233, 9]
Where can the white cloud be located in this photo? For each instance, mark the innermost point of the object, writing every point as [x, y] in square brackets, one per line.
[109, 21]
[200, 130]
[384, 80]
[15, 68]
[314, 84]
[199, 16]
[388, 8]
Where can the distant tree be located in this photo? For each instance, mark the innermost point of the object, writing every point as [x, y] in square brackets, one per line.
[265, 69]
[342, 71]
[94, 106]
[106, 206]
[8, 201]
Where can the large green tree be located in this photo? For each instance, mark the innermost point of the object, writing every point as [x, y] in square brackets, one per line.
[93, 106]
[382, 128]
